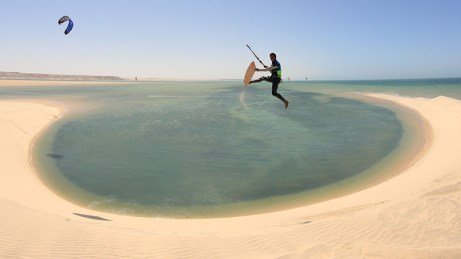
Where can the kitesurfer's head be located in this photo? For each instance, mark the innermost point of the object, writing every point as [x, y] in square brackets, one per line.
[273, 57]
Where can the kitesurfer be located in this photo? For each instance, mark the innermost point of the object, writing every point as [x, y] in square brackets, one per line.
[275, 78]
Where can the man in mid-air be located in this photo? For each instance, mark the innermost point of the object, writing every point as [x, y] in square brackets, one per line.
[275, 78]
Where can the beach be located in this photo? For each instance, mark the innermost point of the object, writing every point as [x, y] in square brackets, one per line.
[54, 83]
[415, 214]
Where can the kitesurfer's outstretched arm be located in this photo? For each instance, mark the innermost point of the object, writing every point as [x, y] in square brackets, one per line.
[267, 68]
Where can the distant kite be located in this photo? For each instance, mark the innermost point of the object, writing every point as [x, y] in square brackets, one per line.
[70, 25]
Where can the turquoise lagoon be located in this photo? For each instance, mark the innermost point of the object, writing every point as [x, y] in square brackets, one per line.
[216, 149]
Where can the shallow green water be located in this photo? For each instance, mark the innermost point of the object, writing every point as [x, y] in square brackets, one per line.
[187, 149]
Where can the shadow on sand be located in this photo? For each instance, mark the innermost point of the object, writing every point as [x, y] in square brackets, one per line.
[91, 217]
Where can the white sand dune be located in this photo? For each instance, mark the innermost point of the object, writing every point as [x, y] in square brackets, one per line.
[416, 214]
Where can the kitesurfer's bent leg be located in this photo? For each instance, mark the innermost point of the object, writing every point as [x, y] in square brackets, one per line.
[264, 78]
[275, 86]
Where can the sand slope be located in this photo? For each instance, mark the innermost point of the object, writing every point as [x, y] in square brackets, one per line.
[414, 215]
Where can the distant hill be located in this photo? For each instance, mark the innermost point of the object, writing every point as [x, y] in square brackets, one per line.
[34, 76]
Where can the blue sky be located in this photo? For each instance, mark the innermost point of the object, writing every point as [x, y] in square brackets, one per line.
[205, 39]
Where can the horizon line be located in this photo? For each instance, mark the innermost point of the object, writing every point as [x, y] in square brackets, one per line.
[146, 79]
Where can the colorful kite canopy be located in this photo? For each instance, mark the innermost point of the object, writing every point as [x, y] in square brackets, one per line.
[70, 25]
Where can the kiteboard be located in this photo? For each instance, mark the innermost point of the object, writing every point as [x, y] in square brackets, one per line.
[249, 73]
